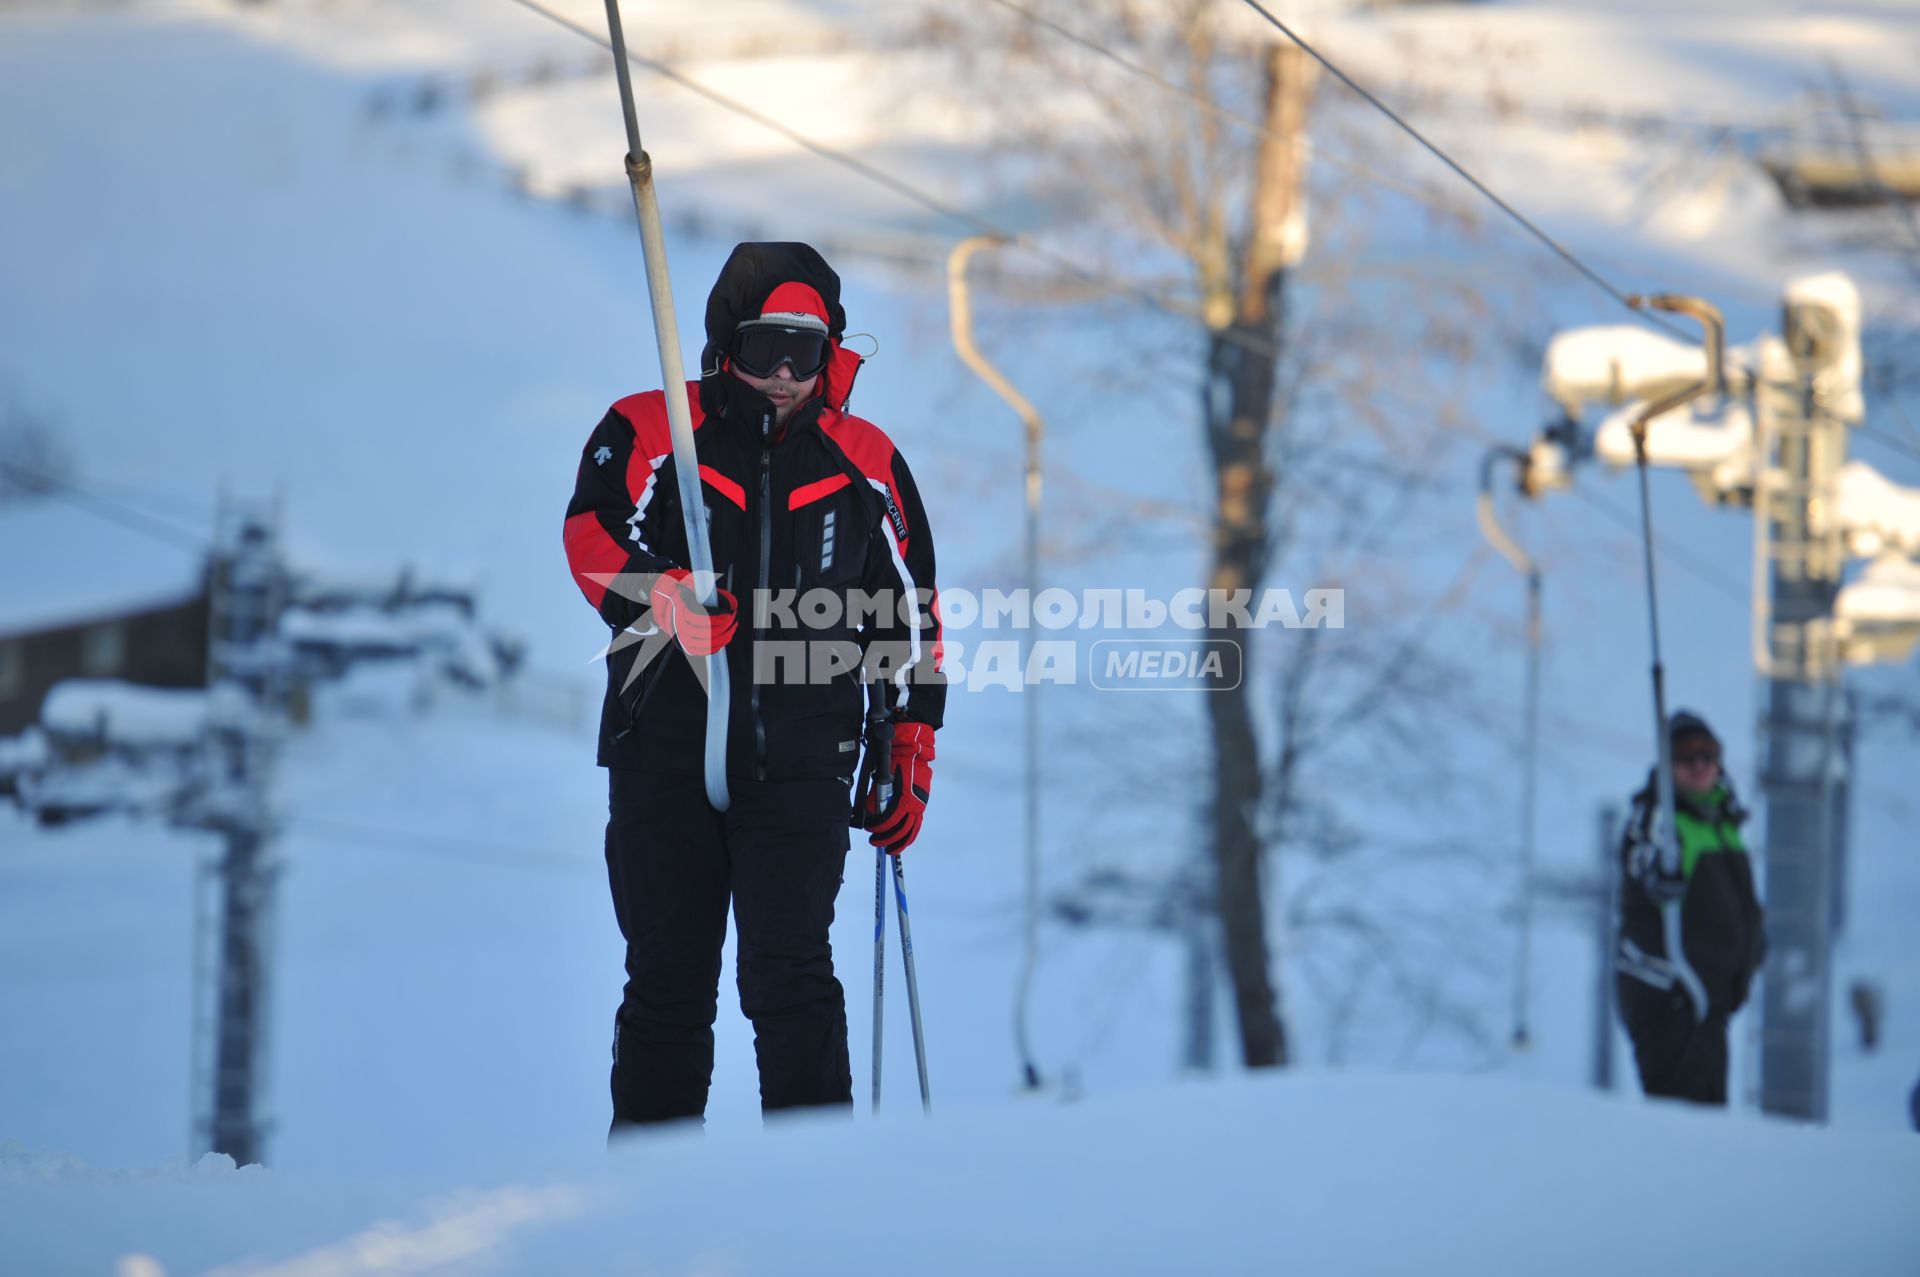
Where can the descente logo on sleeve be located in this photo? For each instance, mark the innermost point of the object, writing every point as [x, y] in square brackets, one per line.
[893, 513]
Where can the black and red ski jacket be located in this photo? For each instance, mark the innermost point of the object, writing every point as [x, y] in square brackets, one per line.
[824, 502]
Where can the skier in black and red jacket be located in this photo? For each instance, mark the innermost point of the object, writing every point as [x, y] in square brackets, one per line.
[812, 515]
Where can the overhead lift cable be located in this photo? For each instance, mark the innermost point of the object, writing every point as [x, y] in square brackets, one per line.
[1226, 115]
[899, 187]
[1065, 265]
[1207, 104]
[1174, 307]
[1707, 573]
[1560, 250]
[112, 511]
[1894, 442]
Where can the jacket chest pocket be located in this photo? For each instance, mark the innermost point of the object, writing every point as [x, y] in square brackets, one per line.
[829, 540]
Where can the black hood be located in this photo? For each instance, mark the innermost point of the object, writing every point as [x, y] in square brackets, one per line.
[751, 273]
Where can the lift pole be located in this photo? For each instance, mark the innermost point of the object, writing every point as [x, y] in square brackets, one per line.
[1511, 551]
[673, 378]
[1666, 832]
[962, 325]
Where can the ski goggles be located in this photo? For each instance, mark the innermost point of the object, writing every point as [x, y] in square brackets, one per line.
[1692, 757]
[760, 349]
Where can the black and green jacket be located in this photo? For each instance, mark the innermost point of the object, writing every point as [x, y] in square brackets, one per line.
[1721, 923]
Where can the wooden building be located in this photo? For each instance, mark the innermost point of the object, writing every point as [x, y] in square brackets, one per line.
[81, 597]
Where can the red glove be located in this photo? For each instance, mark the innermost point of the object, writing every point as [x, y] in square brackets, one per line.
[898, 824]
[678, 612]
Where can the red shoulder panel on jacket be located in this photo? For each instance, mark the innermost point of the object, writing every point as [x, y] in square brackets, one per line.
[871, 452]
[865, 444]
[647, 414]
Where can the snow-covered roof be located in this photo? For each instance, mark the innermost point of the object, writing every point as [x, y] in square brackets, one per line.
[442, 629]
[125, 713]
[67, 565]
[375, 627]
[358, 626]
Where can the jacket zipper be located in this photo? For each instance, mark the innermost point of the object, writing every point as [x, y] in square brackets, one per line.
[765, 575]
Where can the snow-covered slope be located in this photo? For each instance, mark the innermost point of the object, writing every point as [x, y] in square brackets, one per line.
[357, 310]
[1323, 1174]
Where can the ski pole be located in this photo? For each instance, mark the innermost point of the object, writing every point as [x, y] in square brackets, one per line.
[879, 959]
[913, 982]
[877, 766]
[686, 463]
[1664, 836]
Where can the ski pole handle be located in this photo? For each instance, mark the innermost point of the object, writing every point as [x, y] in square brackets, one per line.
[876, 763]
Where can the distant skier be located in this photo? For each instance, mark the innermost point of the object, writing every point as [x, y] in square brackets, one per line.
[1722, 929]
[804, 502]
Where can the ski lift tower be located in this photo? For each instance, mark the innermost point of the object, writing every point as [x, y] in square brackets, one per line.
[1810, 394]
[1775, 440]
[247, 694]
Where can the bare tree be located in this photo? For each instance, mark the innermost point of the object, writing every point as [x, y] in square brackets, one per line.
[1320, 428]
[1246, 285]
[34, 463]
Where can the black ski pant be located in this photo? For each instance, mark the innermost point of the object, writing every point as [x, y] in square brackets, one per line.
[1677, 1057]
[674, 863]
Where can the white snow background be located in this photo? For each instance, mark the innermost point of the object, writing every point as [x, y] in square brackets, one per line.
[217, 266]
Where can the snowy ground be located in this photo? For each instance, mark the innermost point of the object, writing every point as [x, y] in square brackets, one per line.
[357, 312]
[1350, 1174]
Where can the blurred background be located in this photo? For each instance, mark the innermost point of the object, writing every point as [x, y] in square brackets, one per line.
[307, 307]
